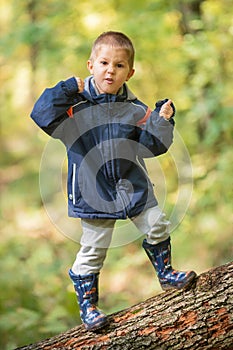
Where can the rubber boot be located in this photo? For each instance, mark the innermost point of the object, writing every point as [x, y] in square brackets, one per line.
[160, 256]
[86, 288]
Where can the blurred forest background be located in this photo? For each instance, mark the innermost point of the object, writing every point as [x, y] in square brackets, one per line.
[184, 50]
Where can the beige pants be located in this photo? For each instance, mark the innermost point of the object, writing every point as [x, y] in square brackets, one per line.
[97, 236]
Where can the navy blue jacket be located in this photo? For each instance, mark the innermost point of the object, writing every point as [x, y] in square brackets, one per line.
[106, 137]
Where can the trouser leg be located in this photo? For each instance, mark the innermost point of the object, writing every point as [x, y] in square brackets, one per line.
[95, 240]
[153, 224]
[89, 260]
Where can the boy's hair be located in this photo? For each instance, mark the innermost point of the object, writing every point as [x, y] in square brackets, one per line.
[115, 39]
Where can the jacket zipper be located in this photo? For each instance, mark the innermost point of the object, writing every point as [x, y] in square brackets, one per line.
[142, 167]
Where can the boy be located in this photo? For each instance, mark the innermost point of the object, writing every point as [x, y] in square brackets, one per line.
[107, 132]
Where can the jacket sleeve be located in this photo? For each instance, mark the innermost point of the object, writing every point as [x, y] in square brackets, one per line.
[157, 135]
[51, 108]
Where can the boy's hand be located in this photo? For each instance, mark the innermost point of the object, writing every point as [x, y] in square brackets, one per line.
[166, 110]
[80, 84]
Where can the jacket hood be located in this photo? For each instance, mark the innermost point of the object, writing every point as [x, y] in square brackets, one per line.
[90, 93]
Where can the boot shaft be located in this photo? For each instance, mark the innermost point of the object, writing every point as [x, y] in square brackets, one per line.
[86, 287]
[159, 255]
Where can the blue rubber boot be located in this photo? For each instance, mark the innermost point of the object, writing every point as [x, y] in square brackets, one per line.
[160, 256]
[86, 288]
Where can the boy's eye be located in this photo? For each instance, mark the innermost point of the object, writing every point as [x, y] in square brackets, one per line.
[104, 62]
[120, 65]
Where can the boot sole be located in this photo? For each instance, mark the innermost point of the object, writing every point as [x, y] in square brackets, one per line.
[189, 282]
[96, 326]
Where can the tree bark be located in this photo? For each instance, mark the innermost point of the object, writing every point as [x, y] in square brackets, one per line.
[199, 318]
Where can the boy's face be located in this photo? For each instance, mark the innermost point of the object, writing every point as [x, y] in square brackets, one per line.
[110, 68]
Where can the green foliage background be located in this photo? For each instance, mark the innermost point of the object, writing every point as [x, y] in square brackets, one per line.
[184, 51]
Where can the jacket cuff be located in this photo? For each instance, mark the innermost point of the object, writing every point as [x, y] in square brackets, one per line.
[70, 86]
[162, 121]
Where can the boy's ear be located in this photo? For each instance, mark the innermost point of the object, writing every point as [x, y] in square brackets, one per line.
[131, 73]
[90, 66]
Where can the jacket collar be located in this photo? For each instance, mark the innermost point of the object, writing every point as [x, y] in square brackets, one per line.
[91, 93]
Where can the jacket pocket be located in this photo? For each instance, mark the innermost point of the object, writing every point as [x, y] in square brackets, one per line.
[73, 188]
[73, 184]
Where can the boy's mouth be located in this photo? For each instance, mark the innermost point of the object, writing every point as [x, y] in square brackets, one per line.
[109, 80]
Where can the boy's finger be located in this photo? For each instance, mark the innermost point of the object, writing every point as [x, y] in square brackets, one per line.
[169, 102]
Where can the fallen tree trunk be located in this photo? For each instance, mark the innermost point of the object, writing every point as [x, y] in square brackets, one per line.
[199, 318]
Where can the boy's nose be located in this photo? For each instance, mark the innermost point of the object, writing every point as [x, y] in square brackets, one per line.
[110, 69]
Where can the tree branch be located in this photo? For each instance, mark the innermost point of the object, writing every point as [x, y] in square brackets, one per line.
[198, 318]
